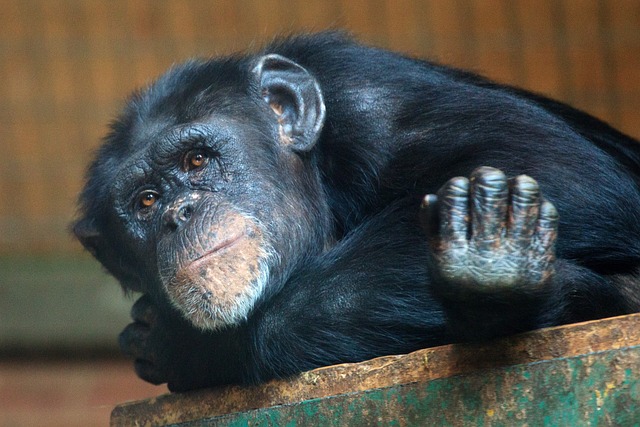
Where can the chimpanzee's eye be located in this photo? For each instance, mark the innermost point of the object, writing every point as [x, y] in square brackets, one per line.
[195, 159]
[147, 199]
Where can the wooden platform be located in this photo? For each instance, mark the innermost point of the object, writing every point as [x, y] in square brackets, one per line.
[581, 374]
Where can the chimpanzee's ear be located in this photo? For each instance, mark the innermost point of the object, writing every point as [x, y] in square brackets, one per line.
[295, 97]
[86, 231]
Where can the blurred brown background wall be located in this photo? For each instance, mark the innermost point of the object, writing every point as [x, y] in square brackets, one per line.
[66, 66]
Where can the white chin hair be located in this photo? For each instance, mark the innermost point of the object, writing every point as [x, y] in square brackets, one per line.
[198, 304]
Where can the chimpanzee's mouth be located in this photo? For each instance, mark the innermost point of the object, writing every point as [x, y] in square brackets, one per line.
[224, 245]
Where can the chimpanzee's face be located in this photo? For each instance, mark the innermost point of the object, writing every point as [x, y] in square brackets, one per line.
[210, 211]
[187, 198]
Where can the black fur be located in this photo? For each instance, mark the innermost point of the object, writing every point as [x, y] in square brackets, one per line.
[396, 129]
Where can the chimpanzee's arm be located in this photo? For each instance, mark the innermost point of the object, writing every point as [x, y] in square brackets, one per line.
[378, 291]
[384, 290]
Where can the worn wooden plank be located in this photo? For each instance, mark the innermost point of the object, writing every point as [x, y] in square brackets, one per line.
[421, 367]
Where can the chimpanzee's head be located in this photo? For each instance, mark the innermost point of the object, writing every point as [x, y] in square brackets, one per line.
[205, 192]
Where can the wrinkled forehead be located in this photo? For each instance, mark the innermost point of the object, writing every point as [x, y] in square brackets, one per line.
[147, 131]
[204, 113]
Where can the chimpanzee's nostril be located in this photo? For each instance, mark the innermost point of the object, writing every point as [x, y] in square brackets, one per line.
[177, 215]
[185, 213]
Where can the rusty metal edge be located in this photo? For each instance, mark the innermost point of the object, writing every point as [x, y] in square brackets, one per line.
[596, 389]
[422, 365]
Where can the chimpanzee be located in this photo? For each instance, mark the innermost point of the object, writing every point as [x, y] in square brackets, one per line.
[321, 201]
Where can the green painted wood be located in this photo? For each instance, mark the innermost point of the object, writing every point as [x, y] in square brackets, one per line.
[600, 389]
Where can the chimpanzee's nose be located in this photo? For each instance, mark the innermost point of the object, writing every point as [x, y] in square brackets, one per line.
[178, 214]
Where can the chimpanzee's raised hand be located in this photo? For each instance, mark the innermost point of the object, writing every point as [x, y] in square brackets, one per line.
[492, 242]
